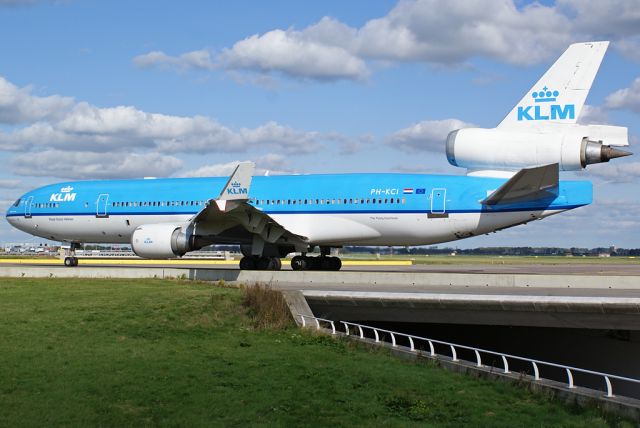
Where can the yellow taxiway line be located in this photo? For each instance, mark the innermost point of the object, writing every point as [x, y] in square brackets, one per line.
[182, 262]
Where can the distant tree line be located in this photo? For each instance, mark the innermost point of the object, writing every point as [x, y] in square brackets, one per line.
[435, 250]
[498, 251]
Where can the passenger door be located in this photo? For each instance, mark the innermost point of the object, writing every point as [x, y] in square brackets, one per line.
[101, 205]
[27, 207]
[438, 202]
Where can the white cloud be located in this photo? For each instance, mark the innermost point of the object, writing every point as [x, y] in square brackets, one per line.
[287, 139]
[194, 60]
[629, 47]
[428, 31]
[85, 165]
[452, 32]
[315, 53]
[593, 115]
[608, 19]
[627, 98]
[9, 183]
[428, 135]
[84, 127]
[615, 172]
[17, 105]
[273, 164]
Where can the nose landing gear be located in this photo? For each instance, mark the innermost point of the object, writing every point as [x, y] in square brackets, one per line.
[70, 259]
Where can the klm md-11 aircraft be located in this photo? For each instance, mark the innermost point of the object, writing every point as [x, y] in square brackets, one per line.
[512, 178]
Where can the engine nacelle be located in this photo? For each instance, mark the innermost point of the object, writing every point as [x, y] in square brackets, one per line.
[507, 149]
[161, 241]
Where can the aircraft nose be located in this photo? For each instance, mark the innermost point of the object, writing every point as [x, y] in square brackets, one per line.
[11, 213]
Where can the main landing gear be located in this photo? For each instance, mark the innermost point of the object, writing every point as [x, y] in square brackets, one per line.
[260, 263]
[70, 259]
[302, 262]
[316, 263]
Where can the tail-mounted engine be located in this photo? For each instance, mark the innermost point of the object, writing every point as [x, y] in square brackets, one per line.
[573, 148]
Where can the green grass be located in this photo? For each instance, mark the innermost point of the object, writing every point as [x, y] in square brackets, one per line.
[169, 353]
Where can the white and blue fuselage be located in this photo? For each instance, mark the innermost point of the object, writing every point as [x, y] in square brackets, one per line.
[329, 210]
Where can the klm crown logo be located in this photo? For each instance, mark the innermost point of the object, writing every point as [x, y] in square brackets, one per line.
[236, 189]
[545, 96]
[546, 111]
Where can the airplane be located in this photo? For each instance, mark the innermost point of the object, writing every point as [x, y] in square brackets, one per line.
[512, 178]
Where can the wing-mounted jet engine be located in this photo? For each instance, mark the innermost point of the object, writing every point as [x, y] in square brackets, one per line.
[542, 128]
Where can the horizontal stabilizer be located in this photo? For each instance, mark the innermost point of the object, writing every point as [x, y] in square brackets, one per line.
[527, 185]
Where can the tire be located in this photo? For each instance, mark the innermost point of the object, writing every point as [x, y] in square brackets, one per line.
[264, 263]
[299, 263]
[68, 261]
[326, 263]
[336, 263]
[314, 263]
[247, 263]
[74, 261]
[277, 263]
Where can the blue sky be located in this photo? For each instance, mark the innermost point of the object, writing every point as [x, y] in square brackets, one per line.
[93, 89]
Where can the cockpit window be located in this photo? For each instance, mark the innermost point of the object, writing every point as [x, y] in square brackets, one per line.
[17, 203]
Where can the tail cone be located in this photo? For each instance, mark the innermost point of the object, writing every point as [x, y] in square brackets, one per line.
[609, 153]
[596, 152]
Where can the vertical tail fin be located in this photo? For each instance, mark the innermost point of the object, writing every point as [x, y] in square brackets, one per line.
[558, 97]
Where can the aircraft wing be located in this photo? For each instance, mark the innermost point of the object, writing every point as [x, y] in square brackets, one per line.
[231, 209]
[528, 184]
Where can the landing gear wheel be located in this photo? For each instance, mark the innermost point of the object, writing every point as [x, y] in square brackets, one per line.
[277, 263]
[299, 263]
[264, 263]
[70, 261]
[314, 263]
[335, 263]
[248, 263]
[325, 263]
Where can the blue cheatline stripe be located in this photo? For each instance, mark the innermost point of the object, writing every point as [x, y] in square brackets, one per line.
[483, 210]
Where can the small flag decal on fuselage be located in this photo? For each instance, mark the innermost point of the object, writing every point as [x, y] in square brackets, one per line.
[420, 191]
[408, 191]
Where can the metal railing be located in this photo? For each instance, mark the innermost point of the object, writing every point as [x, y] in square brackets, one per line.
[360, 329]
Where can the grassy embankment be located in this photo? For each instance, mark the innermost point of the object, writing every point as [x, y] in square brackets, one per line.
[151, 352]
